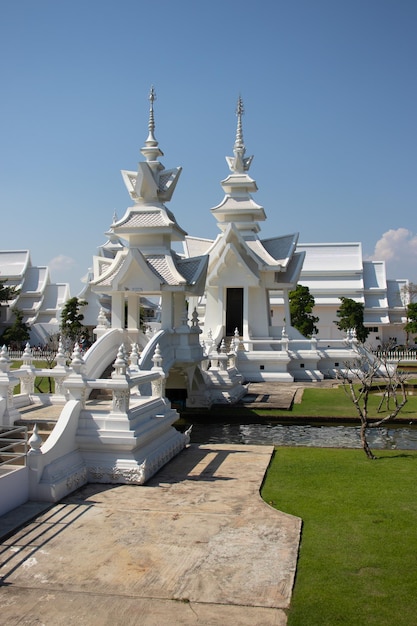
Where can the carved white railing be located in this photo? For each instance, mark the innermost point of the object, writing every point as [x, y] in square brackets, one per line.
[38, 354]
[396, 355]
[224, 357]
[122, 427]
[282, 344]
[71, 382]
[286, 344]
[124, 379]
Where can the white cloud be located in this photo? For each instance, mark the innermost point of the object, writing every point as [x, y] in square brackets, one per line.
[65, 269]
[395, 245]
[61, 262]
[398, 248]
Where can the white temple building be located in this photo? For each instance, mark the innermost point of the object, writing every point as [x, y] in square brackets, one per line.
[335, 270]
[238, 284]
[243, 269]
[224, 321]
[249, 279]
[40, 300]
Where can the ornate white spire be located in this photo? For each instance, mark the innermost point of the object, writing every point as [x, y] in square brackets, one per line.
[151, 151]
[239, 163]
[239, 143]
[152, 182]
[113, 240]
[237, 206]
[151, 141]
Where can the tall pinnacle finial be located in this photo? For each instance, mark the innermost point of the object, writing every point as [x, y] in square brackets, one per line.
[151, 150]
[239, 163]
[151, 141]
[151, 183]
[239, 143]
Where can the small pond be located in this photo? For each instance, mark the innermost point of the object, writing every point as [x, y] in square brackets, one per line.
[265, 432]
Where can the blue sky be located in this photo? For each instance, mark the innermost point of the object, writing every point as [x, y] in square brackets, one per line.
[330, 95]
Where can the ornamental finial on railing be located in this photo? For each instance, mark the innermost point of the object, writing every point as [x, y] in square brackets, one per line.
[158, 386]
[235, 343]
[121, 363]
[77, 361]
[4, 359]
[27, 355]
[184, 317]
[61, 346]
[102, 321]
[35, 441]
[195, 322]
[61, 357]
[209, 341]
[157, 357]
[134, 357]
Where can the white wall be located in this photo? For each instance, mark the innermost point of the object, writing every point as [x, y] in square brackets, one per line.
[14, 489]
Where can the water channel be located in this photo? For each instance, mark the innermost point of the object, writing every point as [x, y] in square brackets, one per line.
[268, 432]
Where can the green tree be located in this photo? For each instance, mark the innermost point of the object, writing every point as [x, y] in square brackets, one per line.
[7, 292]
[301, 307]
[18, 333]
[72, 328]
[350, 317]
[411, 325]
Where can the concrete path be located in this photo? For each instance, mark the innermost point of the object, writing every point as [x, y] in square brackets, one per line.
[269, 396]
[196, 545]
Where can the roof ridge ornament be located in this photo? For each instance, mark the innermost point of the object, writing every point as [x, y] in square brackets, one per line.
[239, 163]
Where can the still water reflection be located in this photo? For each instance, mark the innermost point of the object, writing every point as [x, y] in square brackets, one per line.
[319, 436]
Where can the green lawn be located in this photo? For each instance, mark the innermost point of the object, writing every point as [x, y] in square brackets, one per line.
[334, 402]
[358, 554]
[42, 385]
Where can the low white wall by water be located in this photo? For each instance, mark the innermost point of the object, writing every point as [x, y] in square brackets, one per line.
[14, 488]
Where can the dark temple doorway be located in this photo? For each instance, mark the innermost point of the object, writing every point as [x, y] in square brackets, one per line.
[234, 310]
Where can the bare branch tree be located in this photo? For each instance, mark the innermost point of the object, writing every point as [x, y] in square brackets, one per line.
[363, 377]
[408, 300]
[409, 293]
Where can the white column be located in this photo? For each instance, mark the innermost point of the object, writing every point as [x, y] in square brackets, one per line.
[287, 314]
[221, 308]
[246, 312]
[179, 308]
[132, 311]
[117, 310]
[167, 310]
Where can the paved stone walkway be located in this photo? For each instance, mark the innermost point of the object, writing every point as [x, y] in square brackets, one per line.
[196, 545]
[280, 395]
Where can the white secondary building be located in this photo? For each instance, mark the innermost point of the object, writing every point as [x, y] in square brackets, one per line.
[335, 270]
[249, 279]
[40, 300]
